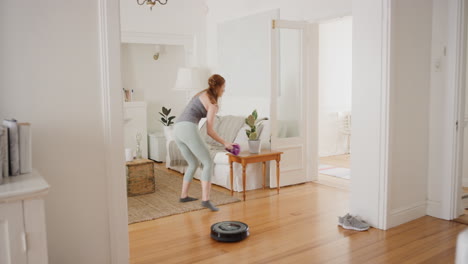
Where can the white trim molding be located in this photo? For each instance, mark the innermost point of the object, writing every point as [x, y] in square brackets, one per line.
[407, 213]
[385, 115]
[155, 38]
[112, 120]
[434, 207]
[371, 102]
[456, 83]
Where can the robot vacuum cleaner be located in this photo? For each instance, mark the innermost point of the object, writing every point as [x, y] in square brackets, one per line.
[229, 231]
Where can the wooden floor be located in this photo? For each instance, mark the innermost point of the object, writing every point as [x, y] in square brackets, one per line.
[296, 226]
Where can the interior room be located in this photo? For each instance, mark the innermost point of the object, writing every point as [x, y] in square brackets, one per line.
[94, 175]
[335, 90]
[149, 73]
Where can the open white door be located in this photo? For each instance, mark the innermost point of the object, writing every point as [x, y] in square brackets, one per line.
[289, 108]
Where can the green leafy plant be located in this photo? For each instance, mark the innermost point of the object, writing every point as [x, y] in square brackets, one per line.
[166, 120]
[253, 123]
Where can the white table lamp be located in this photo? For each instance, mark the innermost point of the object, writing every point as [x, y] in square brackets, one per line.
[188, 80]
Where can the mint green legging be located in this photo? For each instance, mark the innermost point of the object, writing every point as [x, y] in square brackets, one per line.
[190, 143]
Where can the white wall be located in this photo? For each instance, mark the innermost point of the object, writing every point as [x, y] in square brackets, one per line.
[49, 76]
[244, 61]
[335, 79]
[409, 115]
[153, 80]
[369, 75]
[223, 10]
[440, 123]
[181, 17]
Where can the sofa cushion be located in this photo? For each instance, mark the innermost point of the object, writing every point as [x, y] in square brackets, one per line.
[221, 158]
[226, 127]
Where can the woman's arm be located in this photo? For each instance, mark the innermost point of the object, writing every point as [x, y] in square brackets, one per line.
[211, 113]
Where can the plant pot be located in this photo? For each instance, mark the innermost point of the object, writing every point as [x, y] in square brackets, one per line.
[254, 146]
[168, 133]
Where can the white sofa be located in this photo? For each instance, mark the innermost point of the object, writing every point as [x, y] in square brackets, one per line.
[221, 168]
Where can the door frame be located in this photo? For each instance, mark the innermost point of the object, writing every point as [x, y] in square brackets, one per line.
[457, 80]
[112, 116]
[112, 122]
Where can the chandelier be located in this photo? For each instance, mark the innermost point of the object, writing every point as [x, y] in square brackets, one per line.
[151, 3]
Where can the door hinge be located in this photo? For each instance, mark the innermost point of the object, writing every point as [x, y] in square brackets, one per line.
[456, 125]
[273, 24]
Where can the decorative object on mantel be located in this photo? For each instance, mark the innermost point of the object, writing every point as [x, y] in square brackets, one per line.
[151, 3]
[15, 148]
[254, 132]
[128, 95]
[128, 154]
[138, 146]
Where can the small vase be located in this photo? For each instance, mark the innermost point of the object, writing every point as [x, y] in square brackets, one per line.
[138, 146]
[168, 132]
[254, 146]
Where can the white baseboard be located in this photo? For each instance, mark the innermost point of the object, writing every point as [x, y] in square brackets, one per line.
[405, 214]
[434, 208]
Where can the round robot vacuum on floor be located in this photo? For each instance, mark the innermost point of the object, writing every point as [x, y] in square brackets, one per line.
[229, 231]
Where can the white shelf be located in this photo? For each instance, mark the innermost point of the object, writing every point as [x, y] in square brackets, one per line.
[23, 187]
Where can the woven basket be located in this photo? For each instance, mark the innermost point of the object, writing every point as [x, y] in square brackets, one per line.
[140, 177]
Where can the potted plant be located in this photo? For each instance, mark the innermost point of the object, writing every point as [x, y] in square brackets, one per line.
[253, 133]
[167, 122]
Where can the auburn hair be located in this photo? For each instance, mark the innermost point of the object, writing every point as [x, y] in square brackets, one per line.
[215, 83]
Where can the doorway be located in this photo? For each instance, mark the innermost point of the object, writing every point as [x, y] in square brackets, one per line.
[335, 90]
[112, 98]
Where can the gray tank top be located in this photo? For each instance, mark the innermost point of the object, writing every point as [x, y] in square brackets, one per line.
[193, 112]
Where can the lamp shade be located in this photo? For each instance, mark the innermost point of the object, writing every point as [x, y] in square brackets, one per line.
[188, 79]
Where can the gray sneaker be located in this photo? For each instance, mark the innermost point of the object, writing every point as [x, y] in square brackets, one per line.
[342, 218]
[354, 223]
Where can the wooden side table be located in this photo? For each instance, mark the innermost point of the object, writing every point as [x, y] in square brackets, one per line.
[245, 158]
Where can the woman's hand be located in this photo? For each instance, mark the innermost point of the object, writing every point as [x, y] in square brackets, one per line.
[228, 146]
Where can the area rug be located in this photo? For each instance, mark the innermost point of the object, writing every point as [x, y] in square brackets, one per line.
[344, 173]
[165, 200]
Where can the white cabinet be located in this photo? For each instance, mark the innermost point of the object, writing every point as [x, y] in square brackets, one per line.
[22, 220]
[12, 234]
[134, 123]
